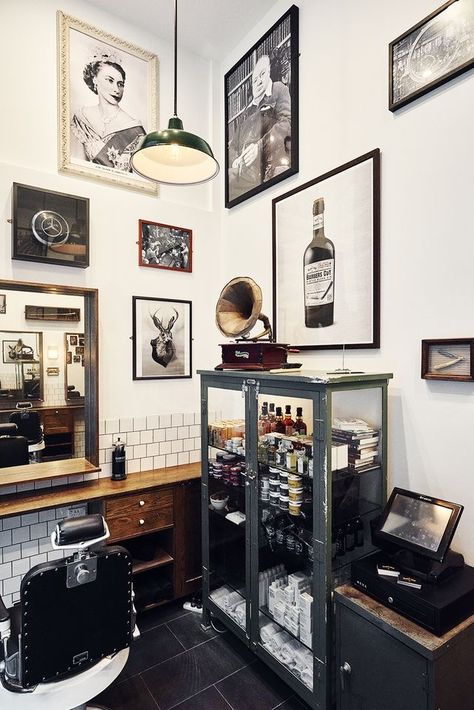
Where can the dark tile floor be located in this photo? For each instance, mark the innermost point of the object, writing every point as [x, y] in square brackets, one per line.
[175, 664]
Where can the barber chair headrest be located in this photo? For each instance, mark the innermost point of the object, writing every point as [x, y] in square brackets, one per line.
[80, 532]
[8, 429]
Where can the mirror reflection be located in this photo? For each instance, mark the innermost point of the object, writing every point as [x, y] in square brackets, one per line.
[43, 362]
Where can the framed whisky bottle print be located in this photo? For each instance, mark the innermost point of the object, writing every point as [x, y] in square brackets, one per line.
[448, 359]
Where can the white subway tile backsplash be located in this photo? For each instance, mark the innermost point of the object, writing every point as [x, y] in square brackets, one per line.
[176, 446]
[195, 430]
[41, 484]
[171, 433]
[5, 570]
[40, 530]
[171, 459]
[112, 426]
[101, 428]
[126, 424]
[105, 441]
[139, 423]
[20, 567]
[188, 444]
[176, 420]
[183, 458]
[29, 519]
[197, 442]
[13, 522]
[6, 490]
[146, 464]
[197, 418]
[38, 560]
[195, 456]
[146, 437]
[30, 548]
[11, 553]
[11, 585]
[183, 432]
[152, 449]
[188, 419]
[159, 435]
[44, 545]
[47, 515]
[133, 438]
[5, 538]
[133, 466]
[165, 421]
[165, 447]
[153, 422]
[139, 451]
[159, 461]
[20, 535]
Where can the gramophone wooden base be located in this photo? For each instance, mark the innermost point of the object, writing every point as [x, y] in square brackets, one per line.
[253, 356]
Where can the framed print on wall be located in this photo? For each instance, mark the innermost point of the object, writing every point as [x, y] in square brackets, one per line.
[107, 103]
[162, 337]
[326, 259]
[261, 113]
[448, 359]
[50, 227]
[432, 52]
[3, 303]
[163, 246]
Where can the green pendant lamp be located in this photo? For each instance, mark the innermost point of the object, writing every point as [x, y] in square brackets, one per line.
[174, 156]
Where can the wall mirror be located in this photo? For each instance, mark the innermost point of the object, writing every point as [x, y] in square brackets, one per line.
[51, 364]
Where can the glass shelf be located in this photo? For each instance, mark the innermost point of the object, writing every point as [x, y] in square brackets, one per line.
[266, 611]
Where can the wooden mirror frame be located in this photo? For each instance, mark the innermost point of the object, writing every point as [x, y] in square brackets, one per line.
[91, 353]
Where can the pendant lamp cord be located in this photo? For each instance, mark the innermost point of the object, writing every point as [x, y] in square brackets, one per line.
[175, 57]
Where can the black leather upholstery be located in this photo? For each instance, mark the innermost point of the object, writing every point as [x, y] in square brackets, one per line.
[13, 451]
[8, 429]
[87, 527]
[28, 424]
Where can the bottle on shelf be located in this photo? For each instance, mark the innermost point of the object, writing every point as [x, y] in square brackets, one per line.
[288, 421]
[118, 461]
[340, 541]
[291, 459]
[271, 415]
[280, 454]
[350, 536]
[319, 270]
[264, 421]
[299, 425]
[279, 425]
[359, 532]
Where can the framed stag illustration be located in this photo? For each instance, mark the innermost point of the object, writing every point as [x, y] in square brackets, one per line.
[261, 113]
[326, 259]
[107, 103]
[162, 338]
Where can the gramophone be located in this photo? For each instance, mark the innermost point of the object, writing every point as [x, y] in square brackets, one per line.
[237, 311]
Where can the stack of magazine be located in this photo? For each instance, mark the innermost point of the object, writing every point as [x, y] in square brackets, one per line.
[362, 441]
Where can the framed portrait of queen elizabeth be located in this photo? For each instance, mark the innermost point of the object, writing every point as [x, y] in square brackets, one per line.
[108, 101]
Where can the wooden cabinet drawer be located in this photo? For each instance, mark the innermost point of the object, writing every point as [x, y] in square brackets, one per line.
[134, 515]
[57, 422]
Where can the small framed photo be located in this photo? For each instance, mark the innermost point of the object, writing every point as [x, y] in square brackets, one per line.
[68, 357]
[261, 113]
[163, 246]
[448, 359]
[73, 339]
[76, 358]
[50, 227]
[79, 350]
[432, 52]
[82, 341]
[108, 101]
[326, 234]
[162, 338]
[3, 303]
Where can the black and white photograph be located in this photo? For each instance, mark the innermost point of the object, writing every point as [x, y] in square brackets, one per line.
[73, 339]
[326, 259]
[3, 303]
[163, 246]
[50, 227]
[21, 347]
[76, 358]
[432, 52]
[108, 103]
[261, 113]
[162, 336]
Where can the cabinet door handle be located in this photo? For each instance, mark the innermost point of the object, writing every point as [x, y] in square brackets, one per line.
[141, 521]
[345, 671]
[142, 503]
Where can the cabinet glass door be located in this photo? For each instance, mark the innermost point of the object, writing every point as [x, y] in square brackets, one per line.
[227, 504]
[284, 568]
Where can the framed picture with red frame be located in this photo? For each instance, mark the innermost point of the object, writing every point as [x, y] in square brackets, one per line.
[164, 246]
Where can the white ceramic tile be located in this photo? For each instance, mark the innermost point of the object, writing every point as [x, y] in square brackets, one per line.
[165, 421]
[112, 426]
[188, 444]
[101, 428]
[139, 452]
[171, 433]
[20, 567]
[30, 548]
[183, 432]
[159, 435]
[42, 484]
[38, 560]
[188, 419]
[165, 447]
[153, 450]
[197, 417]
[159, 461]
[5, 571]
[197, 442]
[177, 446]
[183, 457]
[139, 423]
[176, 420]
[153, 422]
[108, 456]
[105, 441]
[78, 478]
[195, 430]
[47, 515]
[194, 456]
[133, 438]
[146, 464]
[55, 555]
[11, 553]
[133, 466]
[106, 471]
[6, 490]
[21, 535]
[13, 522]
[29, 519]
[146, 437]
[7, 600]
[101, 456]
[91, 476]
[126, 424]
[44, 545]
[5, 538]
[171, 460]
[59, 481]
[39, 530]
[12, 585]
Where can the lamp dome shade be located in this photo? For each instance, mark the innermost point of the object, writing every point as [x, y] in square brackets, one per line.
[175, 157]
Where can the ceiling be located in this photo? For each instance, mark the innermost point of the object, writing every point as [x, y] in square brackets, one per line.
[211, 28]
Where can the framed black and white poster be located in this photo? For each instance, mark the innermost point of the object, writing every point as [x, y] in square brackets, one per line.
[163, 246]
[107, 103]
[261, 113]
[162, 337]
[432, 52]
[326, 259]
[50, 227]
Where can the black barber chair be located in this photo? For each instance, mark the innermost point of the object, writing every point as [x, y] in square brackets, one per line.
[13, 449]
[29, 425]
[69, 636]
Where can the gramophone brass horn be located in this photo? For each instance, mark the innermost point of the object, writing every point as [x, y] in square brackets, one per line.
[238, 309]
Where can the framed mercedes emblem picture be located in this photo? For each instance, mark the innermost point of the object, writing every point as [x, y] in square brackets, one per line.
[50, 227]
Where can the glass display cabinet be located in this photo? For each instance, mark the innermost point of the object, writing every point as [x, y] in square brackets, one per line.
[293, 471]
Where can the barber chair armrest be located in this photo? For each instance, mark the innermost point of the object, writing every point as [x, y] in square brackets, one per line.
[4, 621]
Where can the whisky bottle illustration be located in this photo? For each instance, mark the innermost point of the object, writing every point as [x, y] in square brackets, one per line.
[318, 274]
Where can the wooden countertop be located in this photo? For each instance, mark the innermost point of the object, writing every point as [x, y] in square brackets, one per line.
[42, 407]
[14, 475]
[20, 503]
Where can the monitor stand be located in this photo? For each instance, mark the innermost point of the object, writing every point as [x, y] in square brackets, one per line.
[426, 569]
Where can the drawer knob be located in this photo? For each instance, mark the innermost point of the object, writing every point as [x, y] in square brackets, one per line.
[142, 502]
[142, 522]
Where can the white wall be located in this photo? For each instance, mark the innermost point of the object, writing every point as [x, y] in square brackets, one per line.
[427, 289]
[28, 154]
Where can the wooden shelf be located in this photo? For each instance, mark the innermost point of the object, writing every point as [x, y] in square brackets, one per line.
[161, 558]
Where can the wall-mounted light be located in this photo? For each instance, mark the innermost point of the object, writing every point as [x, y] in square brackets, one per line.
[53, 353]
